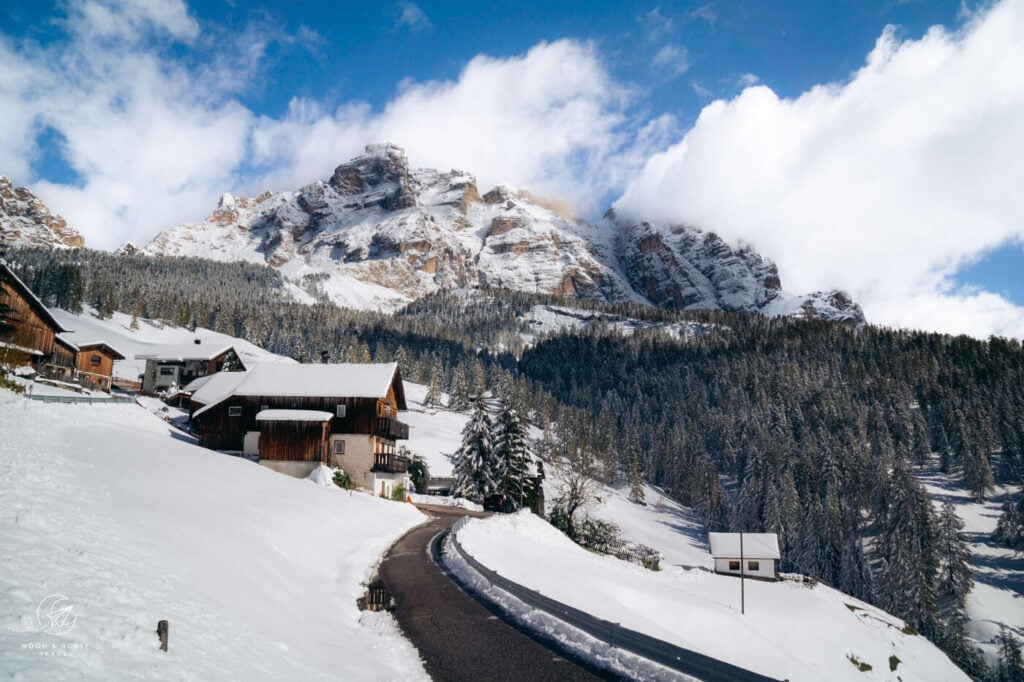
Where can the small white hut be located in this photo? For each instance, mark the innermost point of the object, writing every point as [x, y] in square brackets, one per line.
[756, 556]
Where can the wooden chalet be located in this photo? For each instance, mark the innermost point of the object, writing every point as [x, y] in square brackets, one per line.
[94, 364]
[61, 363]
[33, 340]
[172, 366]
[295, 417]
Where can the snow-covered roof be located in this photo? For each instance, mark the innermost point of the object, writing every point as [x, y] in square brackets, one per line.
[116, 354]
[183, 351]
[67, 344]
[293, 416]
[755, 545]
[345, 380]
[213, 388]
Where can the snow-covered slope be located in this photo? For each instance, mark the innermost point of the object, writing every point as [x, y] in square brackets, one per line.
[26, 222]
[105, 512]
[788, 631]
[379, 233]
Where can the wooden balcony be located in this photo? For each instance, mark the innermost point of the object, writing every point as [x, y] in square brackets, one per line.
[389, 462]
[389, 427]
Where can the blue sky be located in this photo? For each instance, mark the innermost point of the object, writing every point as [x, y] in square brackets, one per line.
[789, 125]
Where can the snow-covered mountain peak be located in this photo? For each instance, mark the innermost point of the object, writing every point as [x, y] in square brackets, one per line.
[26, 222]
[379, 233]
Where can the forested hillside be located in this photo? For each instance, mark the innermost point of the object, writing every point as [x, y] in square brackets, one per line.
[805, 428]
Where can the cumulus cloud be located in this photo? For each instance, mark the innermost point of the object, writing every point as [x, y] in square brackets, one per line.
[551, 120]
[884, 185]
[154, 131]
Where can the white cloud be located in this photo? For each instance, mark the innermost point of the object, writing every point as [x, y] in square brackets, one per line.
[551, 120]
[673, 58]
[884, 185]
[412, 17]
[154, 138]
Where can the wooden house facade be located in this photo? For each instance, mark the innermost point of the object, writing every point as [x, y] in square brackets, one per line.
[33, 340]
[94, 363]
[362, 402]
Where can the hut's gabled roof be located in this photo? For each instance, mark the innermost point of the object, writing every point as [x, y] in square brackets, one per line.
[755, 545]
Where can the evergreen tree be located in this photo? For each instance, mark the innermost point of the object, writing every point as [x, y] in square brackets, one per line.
[476, 470]
[1011, 664]
[636, 481]
[432, 399]
[1010, 527]
[954, 576]
[512, 456]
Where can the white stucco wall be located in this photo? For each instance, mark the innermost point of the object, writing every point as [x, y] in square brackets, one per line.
[766, 567]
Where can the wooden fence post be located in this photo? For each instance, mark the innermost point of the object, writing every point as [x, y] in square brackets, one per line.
[161, 631]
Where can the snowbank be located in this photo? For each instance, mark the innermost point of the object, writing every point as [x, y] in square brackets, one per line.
[105, 512]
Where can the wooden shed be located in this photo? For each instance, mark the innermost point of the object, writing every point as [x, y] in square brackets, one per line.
[293, 441]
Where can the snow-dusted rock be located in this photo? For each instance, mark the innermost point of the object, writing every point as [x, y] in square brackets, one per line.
[26, 222]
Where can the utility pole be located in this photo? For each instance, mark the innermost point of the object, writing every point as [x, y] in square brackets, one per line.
[743, 609]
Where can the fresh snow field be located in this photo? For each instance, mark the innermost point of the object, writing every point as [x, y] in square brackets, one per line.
[790, 631]
[104, 510]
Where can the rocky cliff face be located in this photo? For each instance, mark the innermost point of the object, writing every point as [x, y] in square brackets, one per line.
[379, 233]
[26, 222]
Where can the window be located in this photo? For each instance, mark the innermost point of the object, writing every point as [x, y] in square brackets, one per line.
[235, 411]
[734, 565]
[339, 447]
[753, 565]
[94, 359]
[166, 371]
[340, 411]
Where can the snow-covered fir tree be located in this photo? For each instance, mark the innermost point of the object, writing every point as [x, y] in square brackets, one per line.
[432, 399]
[954, 576]
[512, 455]
[636, 481]
[1011, 663]
[476, 469]
[1010, 527]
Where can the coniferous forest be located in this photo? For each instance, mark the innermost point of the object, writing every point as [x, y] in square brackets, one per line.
[808, 429]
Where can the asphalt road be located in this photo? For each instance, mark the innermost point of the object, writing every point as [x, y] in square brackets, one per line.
[457, 637]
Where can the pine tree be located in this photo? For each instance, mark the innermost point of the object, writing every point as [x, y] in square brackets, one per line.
[476, 471]
[636, 481]
[954, 576]
[1011, 663]
[432, 399]
[512, 455]
[1010, 527]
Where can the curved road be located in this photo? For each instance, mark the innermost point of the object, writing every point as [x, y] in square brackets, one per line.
[457, 637]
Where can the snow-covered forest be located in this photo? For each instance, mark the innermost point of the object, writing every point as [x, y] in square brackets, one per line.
[809, 429]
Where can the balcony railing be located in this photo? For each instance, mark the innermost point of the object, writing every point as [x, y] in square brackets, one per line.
[389, 462]
[389, 427]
